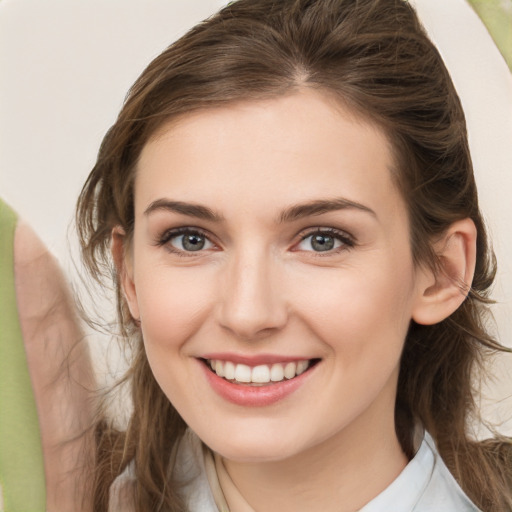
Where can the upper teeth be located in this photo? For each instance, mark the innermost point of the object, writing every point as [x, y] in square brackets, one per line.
[258, 374]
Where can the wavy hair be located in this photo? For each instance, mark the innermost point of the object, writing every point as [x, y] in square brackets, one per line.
[375, 57]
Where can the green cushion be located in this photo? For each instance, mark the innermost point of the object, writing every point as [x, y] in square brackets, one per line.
[21, 457]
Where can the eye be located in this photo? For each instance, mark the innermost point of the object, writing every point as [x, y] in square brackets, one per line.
[324, 241]
[186, 240]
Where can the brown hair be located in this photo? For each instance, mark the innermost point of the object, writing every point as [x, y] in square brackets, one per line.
[375, 57]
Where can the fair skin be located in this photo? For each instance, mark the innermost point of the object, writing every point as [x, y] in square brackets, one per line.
[298, 253]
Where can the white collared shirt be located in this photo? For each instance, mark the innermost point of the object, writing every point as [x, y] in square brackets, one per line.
[425, 484]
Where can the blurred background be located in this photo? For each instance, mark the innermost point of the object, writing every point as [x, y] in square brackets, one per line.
[66, 65]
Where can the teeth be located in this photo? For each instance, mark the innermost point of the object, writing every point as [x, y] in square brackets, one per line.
[290, 370]
[219, 368]
[302, 366]
[262, 374]
[229, 370]
[276, 373]
[242, 373]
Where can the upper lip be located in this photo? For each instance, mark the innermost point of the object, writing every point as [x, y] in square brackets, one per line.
[254, 359]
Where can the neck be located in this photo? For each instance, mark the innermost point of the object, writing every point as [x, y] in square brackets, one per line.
[341, 474]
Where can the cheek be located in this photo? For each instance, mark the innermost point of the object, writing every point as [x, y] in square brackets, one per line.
[364, 315]
[172, 304]
[362, 321]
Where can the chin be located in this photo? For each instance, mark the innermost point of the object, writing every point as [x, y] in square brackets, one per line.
[255, 453]
[254, 447]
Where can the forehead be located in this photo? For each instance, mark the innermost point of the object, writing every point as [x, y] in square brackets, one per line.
[296, 147]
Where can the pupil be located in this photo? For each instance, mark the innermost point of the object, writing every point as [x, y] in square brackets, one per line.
[322, 242]
[193, 242]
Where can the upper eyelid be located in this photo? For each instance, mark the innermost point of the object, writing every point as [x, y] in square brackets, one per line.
[170, 233]
[305, 233]
[163, 241]
[348, 241]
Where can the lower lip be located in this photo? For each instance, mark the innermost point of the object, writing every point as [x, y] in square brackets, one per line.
[254, 396]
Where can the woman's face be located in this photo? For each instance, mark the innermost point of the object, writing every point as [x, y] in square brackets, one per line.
[272, 245]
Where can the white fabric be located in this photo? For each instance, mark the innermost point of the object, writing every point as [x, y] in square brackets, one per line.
[425, 485]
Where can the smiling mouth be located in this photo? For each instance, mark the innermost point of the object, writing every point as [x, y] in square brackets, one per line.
[260, 375]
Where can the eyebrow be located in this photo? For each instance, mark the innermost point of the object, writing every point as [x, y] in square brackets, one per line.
[320, 206]
[190, 209]
[290, 214]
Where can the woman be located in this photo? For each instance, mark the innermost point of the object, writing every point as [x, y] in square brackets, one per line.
[302, 268]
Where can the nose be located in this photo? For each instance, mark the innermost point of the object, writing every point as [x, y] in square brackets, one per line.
[253, 304]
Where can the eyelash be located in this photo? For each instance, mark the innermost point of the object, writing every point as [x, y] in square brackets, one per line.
[168, 235]
[347, 241]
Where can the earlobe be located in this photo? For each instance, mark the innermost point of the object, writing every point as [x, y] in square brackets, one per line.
[442, 291]
[124, 267]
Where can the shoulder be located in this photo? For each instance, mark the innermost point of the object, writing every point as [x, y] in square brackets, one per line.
[121, 491]
[189, 473]
[424, 485]
[443, 492]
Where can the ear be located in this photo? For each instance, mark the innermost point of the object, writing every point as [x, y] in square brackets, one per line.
[124, 265]
[444, 290]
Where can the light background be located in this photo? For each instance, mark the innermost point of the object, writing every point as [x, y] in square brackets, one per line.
[66, 65]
